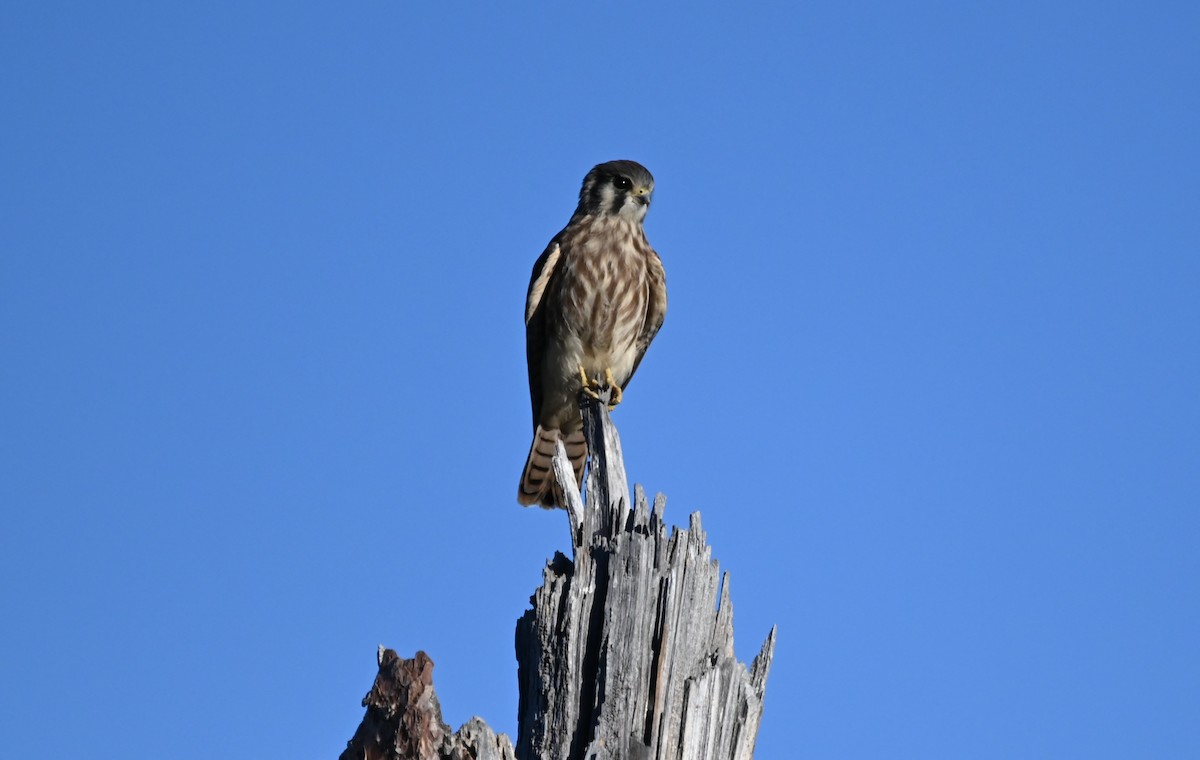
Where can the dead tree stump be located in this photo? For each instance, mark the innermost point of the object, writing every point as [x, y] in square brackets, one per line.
[626, 653]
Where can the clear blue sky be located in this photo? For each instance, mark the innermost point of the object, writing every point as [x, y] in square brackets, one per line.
[931, 369]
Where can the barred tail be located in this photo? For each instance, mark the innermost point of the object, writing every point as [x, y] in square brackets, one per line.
[537, 481]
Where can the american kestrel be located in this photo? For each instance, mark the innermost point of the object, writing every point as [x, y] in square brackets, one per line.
[597, 296]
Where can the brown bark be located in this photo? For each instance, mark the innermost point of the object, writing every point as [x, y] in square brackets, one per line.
[404, 719]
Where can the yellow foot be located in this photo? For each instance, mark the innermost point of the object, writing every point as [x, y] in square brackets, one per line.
[594, 387]
[590, 387]
[615, 397]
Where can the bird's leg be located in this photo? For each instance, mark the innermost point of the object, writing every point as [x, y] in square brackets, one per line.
[614, 387]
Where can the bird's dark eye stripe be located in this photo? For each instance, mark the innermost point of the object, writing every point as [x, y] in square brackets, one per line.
[622, 183]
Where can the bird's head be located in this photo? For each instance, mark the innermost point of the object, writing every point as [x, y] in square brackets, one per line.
[616, 188]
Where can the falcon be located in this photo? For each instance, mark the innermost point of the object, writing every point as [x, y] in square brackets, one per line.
[596, 298]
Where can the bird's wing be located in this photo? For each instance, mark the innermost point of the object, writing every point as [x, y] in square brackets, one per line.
[535, 321]
[543, 268]
[656, 309]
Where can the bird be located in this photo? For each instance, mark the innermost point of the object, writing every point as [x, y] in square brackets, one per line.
[597, 297]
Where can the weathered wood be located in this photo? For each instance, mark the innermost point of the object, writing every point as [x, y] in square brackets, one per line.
[627, 652]
[607, 483]
[404, 719]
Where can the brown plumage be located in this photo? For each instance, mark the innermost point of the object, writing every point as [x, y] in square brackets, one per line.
[596, 298]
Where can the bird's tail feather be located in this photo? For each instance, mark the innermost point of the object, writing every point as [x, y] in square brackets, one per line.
[537, 481]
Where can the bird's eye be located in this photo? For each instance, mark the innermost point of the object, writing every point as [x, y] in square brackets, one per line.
[622, 183]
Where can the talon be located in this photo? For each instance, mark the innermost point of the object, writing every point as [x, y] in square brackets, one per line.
[614, 387]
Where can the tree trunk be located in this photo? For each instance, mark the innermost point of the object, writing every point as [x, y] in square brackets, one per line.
[627, 653]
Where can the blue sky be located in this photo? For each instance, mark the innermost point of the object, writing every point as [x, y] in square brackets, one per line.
[930, 370]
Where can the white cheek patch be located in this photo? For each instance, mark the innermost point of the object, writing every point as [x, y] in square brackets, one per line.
[607, 196]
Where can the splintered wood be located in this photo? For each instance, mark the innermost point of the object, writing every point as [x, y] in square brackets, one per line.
[626, 653]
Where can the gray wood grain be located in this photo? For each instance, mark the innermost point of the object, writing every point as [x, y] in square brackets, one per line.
[627, 651]
[625, 654]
